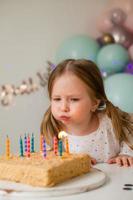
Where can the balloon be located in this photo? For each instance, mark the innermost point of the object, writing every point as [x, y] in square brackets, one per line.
[100, 42]
[118, 12]
[122, 36]
[112, 58]
[129, 68]
[118, 16]
[104, 23]
[78, 47]
[105, 39]
[125, 5]
[119, 90]
[131, 51]
[129, 23]
[104, 74]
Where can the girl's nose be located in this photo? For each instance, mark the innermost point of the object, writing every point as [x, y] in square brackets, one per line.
[64, 106]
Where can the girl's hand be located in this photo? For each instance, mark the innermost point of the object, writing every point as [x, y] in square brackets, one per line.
[122, 160]
[93, 161]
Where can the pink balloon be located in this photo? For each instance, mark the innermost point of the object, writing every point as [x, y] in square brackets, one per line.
[131, 51]
[129, 22]
[104, 23]
[122, 36]
[125, 5]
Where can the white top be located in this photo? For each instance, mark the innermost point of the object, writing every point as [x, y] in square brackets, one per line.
[100, 144]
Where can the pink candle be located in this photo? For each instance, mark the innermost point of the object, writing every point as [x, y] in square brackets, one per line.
[28, 146]
[41, 142]
[55, 145]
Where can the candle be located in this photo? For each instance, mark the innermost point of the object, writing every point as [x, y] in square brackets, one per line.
[25, 144]
[67, 145]
[44, 149]
[60, 147]
[55, 145]
[41, 142]
[32, 143]
[21, 147]
[62, 134]
[28, 146]
[7, 147]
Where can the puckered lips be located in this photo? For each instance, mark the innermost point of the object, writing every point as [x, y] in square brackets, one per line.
[64, 118]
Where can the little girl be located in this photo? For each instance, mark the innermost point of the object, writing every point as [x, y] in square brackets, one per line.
[79, 106]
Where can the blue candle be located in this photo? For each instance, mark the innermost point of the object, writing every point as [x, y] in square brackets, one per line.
[44, 149]
[25, 144]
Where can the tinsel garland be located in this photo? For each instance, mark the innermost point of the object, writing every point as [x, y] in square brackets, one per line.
[9, 91]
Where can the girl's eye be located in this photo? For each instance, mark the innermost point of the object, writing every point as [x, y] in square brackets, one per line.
[56, 99]
[74, 99]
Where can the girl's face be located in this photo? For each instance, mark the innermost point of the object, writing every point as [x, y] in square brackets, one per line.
[70, 101]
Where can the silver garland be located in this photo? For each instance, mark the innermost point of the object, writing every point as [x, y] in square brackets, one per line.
[9, 91]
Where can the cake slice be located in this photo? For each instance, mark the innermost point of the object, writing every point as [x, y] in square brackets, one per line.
[38, 171]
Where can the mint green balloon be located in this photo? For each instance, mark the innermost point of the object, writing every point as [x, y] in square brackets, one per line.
[112, 58]
[77, 47]
[119, 90]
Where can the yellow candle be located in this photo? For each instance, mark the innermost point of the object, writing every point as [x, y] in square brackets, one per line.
[7, 148]
[67, 145]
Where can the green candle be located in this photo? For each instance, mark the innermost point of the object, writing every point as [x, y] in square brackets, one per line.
[32, 143]
[21, 147]
[60, 147]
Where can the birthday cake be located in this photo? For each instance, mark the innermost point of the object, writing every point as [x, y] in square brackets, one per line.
[43, 172]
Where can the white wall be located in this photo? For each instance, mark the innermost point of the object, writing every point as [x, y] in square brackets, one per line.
[30, 32]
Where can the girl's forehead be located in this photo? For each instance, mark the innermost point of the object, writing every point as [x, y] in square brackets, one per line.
[68, 77]
[69, 83]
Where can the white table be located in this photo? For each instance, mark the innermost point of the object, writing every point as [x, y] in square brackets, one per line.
[111, 190]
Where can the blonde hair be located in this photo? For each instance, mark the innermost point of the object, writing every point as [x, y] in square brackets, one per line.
[89, 73]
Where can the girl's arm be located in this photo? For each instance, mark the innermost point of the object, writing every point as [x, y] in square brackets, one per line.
[125, 157]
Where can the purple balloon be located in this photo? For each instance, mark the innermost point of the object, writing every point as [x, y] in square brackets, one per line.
[100, 42]
[129, 68]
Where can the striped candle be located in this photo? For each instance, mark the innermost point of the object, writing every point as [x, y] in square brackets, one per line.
[32, 143]
[21, 147]
[7, 147]
[60, 147]
[44, 149]
[55, 145]
[25, 144]
[28, 146]
[41, 142]
[67, 145]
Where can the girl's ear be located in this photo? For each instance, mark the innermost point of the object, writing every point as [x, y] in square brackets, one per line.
[95, 105]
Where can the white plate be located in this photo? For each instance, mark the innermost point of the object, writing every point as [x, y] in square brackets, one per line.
[92, 180]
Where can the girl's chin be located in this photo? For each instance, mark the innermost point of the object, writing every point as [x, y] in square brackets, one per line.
[65, 122]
